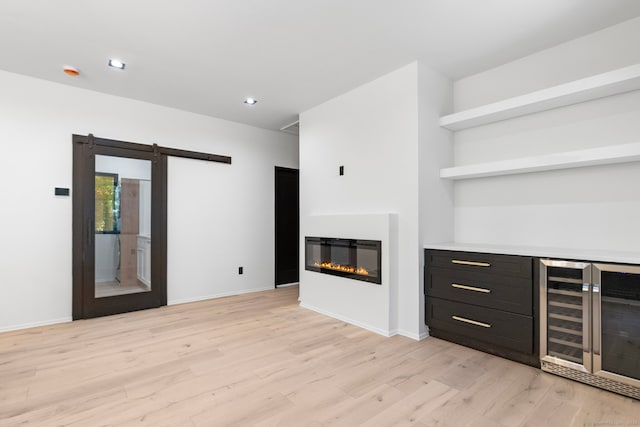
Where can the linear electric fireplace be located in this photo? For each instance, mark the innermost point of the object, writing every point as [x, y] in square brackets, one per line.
[350, 258]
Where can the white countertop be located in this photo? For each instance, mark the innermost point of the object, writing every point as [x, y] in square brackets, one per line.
[542, 252]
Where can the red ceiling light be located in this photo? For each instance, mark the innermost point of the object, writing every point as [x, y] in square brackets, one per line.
[70, 71]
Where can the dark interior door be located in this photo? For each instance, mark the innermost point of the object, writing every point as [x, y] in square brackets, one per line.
[287, 215]
[119, 227]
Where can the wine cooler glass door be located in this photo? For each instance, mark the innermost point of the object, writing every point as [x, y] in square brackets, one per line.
[616, 322]
[565, 306]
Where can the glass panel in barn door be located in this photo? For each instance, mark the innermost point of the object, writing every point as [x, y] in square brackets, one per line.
[122, 226]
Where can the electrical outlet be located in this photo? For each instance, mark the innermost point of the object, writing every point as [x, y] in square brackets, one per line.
[240, 270]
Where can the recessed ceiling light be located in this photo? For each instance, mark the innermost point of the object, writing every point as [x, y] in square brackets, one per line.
[116, 63]
[250, 101]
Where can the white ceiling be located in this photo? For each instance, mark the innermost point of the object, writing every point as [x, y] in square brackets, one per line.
[206, 56]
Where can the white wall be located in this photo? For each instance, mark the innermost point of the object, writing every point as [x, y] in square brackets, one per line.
[106, 257]
[592, 208]
[125, 168]
[435, 152]
[222, 217]
[212, 207]
[372, 131]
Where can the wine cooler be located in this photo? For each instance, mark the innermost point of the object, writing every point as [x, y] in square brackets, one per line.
[590, 323]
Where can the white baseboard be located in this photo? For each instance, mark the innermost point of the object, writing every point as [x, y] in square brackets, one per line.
[174, 302]
[220, 295]
[347, 320]
[35, 324]
[412, 335]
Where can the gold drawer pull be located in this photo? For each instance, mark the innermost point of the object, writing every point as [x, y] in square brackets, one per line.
[471, 288]
[473, 322]
[476, 264]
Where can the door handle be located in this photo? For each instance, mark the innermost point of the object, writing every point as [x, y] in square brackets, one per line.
[596, 304]
[473, 322]
[89, 229]
[586, 318]
[471, 288]
[473, 263]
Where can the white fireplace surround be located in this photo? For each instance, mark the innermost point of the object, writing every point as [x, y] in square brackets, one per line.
[366, 305]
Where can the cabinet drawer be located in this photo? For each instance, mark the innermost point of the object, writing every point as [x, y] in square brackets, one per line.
[509, 265]
[508, 293]
[507, 330]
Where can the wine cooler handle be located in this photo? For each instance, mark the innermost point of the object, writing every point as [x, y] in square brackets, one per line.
[596, 318]
[586, 320]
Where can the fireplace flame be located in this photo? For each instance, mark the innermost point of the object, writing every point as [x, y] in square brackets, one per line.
[343, 268]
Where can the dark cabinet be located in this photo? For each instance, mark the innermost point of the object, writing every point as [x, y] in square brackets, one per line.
[484, 301]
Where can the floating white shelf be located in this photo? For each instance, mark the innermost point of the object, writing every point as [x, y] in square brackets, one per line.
[570, 159]
[599, 86]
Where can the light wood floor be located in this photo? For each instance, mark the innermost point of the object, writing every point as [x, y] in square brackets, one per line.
[259, 359]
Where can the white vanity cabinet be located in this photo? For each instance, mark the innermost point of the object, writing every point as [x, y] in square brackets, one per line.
[144, 260]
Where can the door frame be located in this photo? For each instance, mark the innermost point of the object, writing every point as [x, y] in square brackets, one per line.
[84, 304]
[277, 170]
